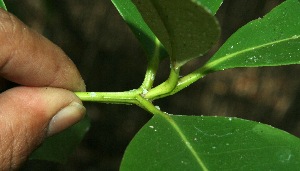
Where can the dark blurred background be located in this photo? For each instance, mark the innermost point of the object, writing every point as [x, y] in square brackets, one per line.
[110, 58]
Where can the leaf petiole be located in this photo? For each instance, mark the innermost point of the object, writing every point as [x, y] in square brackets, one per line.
[189, 79]
[152, 67]
[185, 82]
[165, 87]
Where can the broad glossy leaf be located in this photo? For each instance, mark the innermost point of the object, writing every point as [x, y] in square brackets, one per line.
[210, 143]
[270, 41]
[2, 5]
[185, 28]
[133, 18]
[58, 148]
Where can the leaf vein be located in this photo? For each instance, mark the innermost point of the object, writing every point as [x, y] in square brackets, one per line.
[210, 65]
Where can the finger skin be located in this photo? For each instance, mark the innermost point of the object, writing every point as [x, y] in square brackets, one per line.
[49, 78]
[28, 58]
[25, 114]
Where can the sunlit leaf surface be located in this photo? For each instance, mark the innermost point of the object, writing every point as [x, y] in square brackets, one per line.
[270, 41]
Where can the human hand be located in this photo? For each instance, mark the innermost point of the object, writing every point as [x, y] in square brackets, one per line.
[44, 103]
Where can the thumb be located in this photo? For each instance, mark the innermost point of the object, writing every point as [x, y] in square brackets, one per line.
[28, 115]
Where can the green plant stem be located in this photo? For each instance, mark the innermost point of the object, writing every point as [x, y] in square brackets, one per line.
[190, 78]
[147, 105]
[169, 87]
[165, 87]
[139, 98]
[127, 97]
[186, 81]
[150, 75]
[152, 67]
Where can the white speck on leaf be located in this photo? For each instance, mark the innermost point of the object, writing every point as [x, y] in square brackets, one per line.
[295, 36]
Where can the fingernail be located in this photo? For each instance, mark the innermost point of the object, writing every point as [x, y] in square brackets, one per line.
[65, 118]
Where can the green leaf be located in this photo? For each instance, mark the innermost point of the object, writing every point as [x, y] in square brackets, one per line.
[2, 5]
[138, 26]
[210, 143]
[271, 41]
[149, 41]
[211, 5]
[58, 148]
[185, 28]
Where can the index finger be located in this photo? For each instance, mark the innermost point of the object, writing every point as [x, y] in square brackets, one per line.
[29, 59]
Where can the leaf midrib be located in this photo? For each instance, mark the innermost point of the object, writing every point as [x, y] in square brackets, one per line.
[187, 143]
[214, 63]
